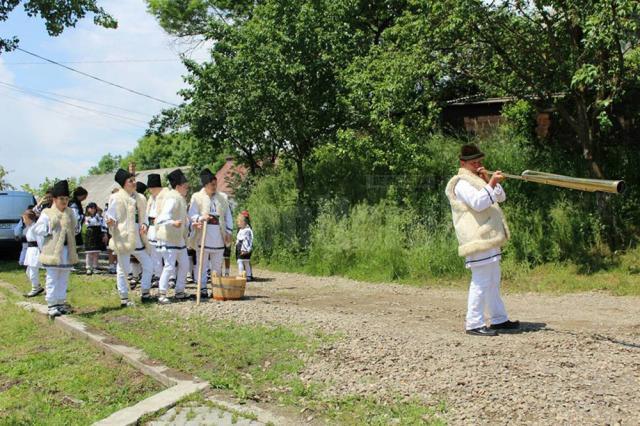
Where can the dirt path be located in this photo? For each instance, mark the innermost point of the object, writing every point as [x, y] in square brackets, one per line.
[578, 362]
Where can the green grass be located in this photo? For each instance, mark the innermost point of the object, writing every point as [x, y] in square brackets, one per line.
[259, 362]
[621, 277]
[48, 377]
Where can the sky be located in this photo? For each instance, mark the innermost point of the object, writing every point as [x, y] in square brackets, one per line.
[40, 137]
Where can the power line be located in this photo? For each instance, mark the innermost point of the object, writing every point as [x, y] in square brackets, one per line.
[96, 78]
[64, 114]
[128, 120]
[36, 91]
[106, 61]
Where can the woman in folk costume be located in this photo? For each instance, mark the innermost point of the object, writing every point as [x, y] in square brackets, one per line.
[211, 207]
[172, 225]
[481, 230]
[56, 226]
[155, 187]
[126, 218]
[95, 237]
[244, 244]
[31, 259]
[79, 195]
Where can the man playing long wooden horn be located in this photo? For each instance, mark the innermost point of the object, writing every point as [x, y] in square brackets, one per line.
[481, 230]
[211, 206]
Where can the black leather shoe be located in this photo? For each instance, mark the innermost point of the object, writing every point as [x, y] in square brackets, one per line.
[482, 331]
[507, 325]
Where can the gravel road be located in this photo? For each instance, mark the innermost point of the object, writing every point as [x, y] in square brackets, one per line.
[577, 361]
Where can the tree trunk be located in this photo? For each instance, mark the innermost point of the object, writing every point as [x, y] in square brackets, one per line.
[300, 183]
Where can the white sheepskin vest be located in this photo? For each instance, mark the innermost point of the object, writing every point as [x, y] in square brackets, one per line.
[167, 231]
[203, 201]
[123, 235]
[63, 225]
[476, 231]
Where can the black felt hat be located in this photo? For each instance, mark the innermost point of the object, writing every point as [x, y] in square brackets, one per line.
[206, 176]
[470, 152]
[176, 178]
[154, 181]
[122, 176]
[140, 187]
[60, 189]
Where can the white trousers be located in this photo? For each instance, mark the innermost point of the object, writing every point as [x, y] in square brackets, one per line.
[244, 265]
[34, 276]
[124, 266]
[156, 259]
[23, 253]
[91, 260]
[56, 283]
[170, 257]
[212, 259]
[484, 296]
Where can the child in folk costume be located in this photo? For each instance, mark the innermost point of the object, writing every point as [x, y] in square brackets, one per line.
[127, 221]
[95, 237]
[172, 224]
[20, 234]
[75, 204]
[210, 208]
[244, 244]
[31, 259]
[155, 188]
[57, 226]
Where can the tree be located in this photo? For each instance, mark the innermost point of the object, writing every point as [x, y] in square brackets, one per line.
[168, 150]
[572, 55]
[107, 164]
[57, 15]
[4, 185]
[270, 88]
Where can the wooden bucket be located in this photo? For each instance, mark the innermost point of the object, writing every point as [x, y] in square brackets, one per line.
[228, 288]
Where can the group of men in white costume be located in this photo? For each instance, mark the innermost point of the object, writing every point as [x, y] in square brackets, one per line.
[158, 231]
[481, 230]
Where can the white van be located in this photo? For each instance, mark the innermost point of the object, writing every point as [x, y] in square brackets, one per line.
[12, 205]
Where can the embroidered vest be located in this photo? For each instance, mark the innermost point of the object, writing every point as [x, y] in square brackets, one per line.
[203, 201]
[63, 226]
[128, 209]
[166, 231]
[476, 231]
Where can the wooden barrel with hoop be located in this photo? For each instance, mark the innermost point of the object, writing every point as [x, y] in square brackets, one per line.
[228, 288]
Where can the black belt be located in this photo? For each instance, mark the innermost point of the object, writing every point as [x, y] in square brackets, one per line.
[213, 220]
[24, 239]
[32, 244]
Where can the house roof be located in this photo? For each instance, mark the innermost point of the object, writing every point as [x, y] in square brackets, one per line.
[100, 187]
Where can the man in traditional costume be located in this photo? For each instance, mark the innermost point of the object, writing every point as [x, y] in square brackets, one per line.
[56, 226]
[127, 221]
[481, 230]
[210, 207]
[171, 229]
[155, 187]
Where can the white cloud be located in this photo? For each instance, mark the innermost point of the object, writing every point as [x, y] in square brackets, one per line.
[42, 138]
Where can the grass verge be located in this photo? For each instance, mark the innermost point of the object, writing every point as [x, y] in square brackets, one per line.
[49, 377]
[257, 362]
